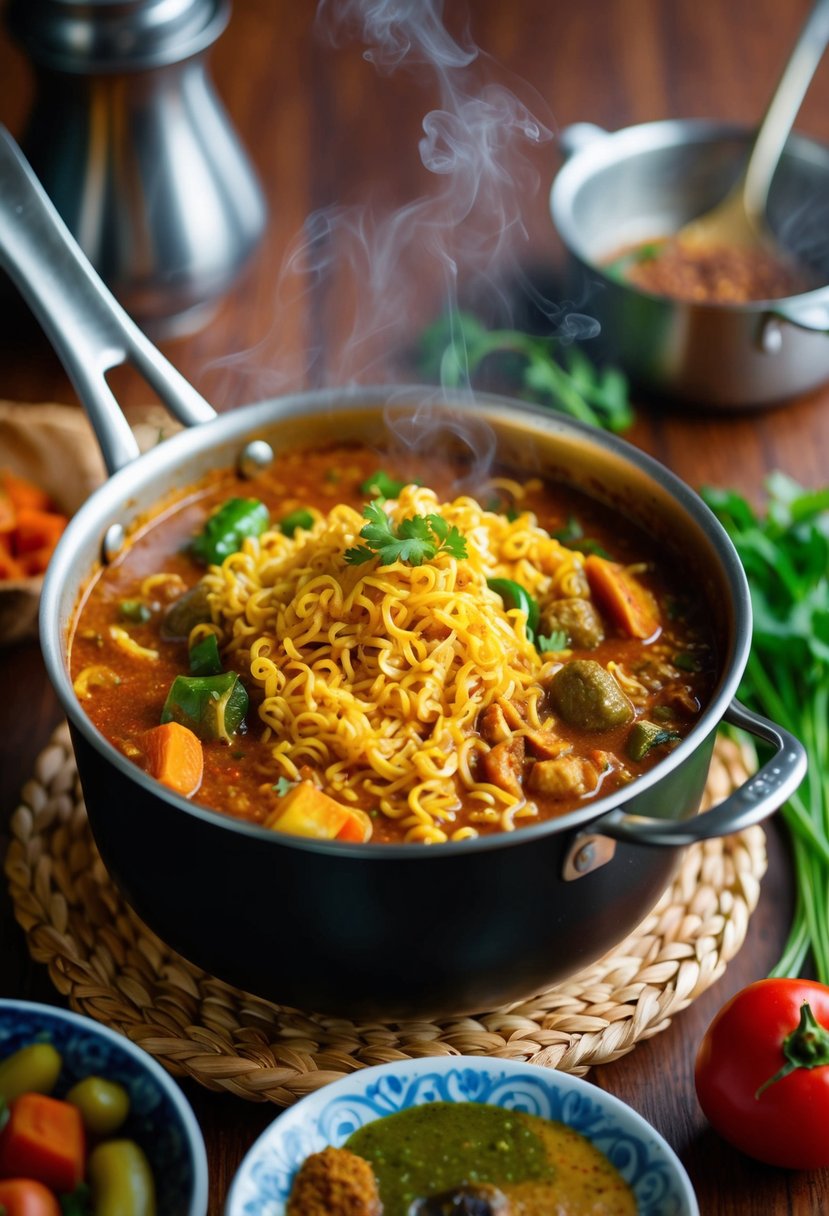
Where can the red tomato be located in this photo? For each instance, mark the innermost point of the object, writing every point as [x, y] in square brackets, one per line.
[24, 1197]
[762, 1030]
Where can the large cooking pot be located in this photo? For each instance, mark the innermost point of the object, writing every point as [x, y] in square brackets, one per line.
[372, 931]
[617, 189]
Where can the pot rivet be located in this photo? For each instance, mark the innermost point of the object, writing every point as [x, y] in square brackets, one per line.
[585, 857]
[113, 543]
[771, 336]
[254, 457]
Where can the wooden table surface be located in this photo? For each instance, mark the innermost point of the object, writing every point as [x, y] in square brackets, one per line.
[328, 130]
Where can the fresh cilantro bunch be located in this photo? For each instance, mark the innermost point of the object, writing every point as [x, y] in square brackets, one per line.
[785, 553]
[416, 539]
[453, 349]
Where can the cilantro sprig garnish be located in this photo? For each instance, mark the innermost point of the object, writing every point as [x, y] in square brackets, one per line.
[415, 540]
[555, 374]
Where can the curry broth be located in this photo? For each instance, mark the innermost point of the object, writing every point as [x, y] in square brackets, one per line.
[238, 777]
[544, 1168]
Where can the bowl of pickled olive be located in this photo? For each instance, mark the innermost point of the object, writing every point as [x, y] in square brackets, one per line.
[90, 1125]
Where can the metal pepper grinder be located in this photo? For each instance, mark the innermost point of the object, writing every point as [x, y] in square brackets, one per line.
[136, 151]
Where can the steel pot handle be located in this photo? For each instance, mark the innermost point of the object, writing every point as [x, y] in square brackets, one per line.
[811, 316]
[578, 135]
[754, 801]
[87, 327]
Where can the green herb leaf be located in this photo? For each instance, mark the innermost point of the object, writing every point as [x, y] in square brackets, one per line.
[786, 557]
[551, 642]
[283, 786]
[453, 350]
[416, 539]
[135, 610]
[77, 1202]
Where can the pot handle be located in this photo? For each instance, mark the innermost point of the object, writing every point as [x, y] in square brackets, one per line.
[754, 801]
[810, 316]
[578, 135]
[87, 327]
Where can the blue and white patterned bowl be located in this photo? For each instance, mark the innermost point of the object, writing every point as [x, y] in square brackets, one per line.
[160, 1118]
[329, 1116]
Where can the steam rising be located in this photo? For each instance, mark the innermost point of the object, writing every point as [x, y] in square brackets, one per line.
[467, 228]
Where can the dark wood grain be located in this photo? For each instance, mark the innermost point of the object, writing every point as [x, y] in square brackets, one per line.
[326, 130]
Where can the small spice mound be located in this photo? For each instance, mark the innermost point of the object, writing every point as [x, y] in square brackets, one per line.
[334, 1182]
[718, 274]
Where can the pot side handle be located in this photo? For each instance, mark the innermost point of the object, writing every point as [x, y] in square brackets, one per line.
[754, 801]
[577, 136]
[87, 327]
[812, 316]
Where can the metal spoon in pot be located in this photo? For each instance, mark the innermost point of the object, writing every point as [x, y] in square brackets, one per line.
[740, 219]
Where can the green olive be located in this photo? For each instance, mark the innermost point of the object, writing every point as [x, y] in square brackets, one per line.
[104, 1105]
[121, 1180]
[32, 1069]
[587, 696]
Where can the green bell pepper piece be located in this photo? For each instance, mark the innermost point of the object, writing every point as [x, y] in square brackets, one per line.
[516, 596]
[204, 657]
[297, 519]
[226, 529]
[213, 707]
[644, 736]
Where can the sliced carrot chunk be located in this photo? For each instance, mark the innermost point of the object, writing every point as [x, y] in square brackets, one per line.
[174, 757]
[44, 1140]
[622, 597]
[36, 529]
[24, 493]
[307, 811]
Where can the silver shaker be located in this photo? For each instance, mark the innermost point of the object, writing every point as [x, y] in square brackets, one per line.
[135, 149]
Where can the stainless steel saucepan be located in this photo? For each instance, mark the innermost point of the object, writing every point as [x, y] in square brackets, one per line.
[371, 931]
[617, 189]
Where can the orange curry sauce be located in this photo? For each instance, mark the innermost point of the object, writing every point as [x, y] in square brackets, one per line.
[679, 665]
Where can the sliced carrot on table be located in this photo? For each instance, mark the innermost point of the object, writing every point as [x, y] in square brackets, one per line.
[35, 561]
[10, 567]
[622, 597]
[8, 513]
[24, 493]
[174, 757]
[36, 529]
[43, 1139]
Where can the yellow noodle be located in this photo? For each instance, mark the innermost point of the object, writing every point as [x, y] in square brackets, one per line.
[377, 675]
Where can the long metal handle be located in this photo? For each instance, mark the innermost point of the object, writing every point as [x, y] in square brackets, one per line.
[812, 315]
[88, 328]
[754, 801]
[783, 108]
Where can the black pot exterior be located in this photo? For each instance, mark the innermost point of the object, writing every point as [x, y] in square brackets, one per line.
[393, 931]
[424, 933]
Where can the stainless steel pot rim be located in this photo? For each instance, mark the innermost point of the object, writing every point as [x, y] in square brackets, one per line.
[613, 147]
[237, 426]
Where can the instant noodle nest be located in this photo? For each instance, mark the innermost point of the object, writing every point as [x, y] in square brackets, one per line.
[111, 967]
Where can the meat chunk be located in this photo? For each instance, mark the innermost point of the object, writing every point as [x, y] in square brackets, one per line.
[566, 777]
[493, 725]
[577, 618]
[504, 764]
[335, 1182]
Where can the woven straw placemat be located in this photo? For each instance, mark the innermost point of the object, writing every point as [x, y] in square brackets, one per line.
[111, 967]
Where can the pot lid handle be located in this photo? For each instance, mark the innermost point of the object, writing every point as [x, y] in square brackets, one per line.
[754, 801]
[87, 327]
